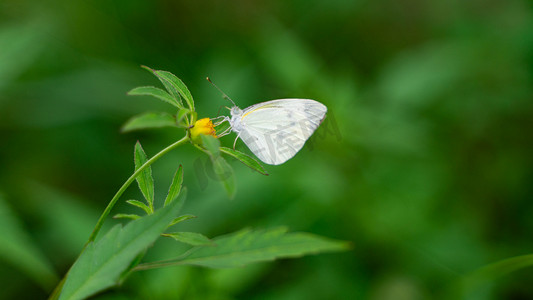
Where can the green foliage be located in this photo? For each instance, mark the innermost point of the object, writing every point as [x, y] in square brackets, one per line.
[176, 91]
[175, 86]
[180, 199]
[179, 86]
[191, 238]
[169, 86]
[175, 186]
[211, 144]
[155, 92]
[144, 179]
[181, 117]
[245, 159]
[181, 219]
[222, 169]
[424, 160]
[248, 246]
[21, 44]
[102, 262]
[225, 174]
[140, 205]
[149, 120]
[126, 216]
[18, 249]
[473, 281]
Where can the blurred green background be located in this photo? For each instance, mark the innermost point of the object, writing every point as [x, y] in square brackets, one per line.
[425, 161]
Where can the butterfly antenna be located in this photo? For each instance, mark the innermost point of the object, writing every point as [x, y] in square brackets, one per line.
[220, 108]
[223, 94]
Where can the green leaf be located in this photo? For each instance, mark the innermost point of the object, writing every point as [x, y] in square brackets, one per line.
[247, 246]
[474, 280]
[149, 120]
[140, 205]
[181, 219]
[191, 238]
[174, 85]
[137, 260]
[18, 249]
[175, 186]
[180, 86]
[245, 159]
[168, 85]
[181, 117]
[180, 199]
[102, 262]
[156, 92]
[211, 144]
[224, 173]
[144, 179]
[222, 169]
[194, 117]
[126, 216]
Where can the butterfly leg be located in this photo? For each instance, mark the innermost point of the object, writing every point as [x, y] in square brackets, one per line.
[224, 119]
[235, 142]
[225, 132]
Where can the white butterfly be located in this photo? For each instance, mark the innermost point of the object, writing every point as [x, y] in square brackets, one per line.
[275, 130]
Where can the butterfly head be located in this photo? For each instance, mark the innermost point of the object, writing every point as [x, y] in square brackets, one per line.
[235, 111]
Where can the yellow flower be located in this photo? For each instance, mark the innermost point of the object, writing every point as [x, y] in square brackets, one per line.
[203, 126]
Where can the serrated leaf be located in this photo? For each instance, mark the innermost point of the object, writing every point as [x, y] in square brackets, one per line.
[181, 117]
[144, 179]
[126, 216]
[137, 260]
[222, 169]
[167, 84]
[175, 186]
[18, 249]
[225, 174]
[211, 144]
[180, 86]
[149, 120]
[181, 219]
[102, 262]
[248, 246]
[245, 159]
[140, 205]
[191, 238]
[180, 199]
[155, 92]
[174, 85]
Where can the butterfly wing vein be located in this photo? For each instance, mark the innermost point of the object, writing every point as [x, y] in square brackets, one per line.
[276, 130]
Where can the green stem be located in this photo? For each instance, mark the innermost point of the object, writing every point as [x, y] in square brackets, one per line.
[127, 183]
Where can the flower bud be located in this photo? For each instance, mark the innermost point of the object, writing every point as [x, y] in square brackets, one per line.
[202, 126]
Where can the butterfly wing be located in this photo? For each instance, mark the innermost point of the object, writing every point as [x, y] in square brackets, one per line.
[276, 130]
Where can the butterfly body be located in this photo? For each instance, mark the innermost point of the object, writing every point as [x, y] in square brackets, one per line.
[276, 130]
